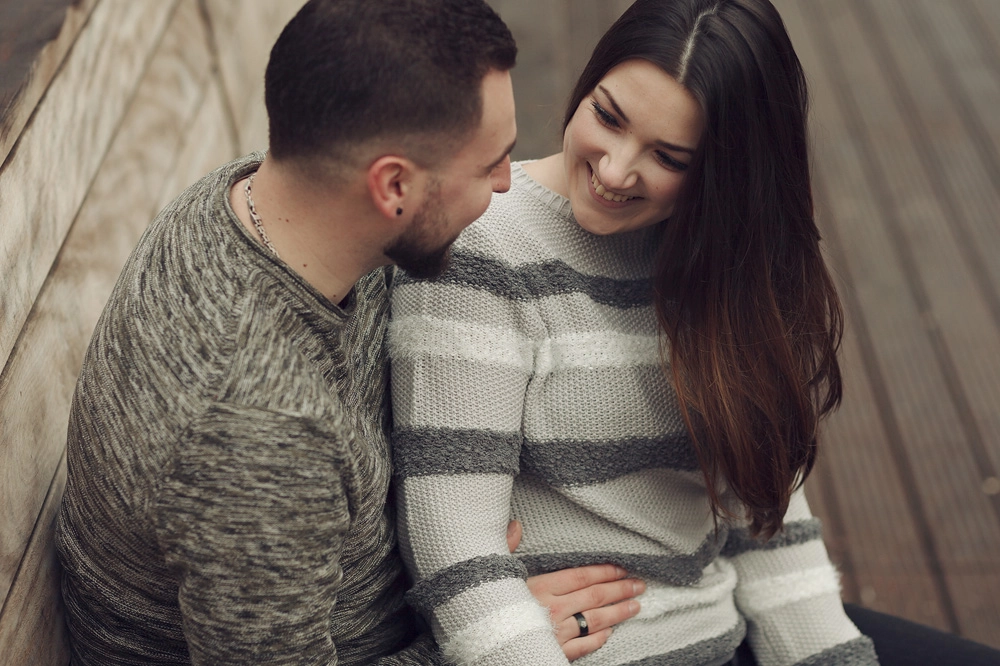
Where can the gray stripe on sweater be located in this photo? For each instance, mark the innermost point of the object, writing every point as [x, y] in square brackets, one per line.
[793, 533]
[429, 593]
[569, 463]
[673, 569]
[702, 652]
[533, 281]
[427, 451]
[858, 652]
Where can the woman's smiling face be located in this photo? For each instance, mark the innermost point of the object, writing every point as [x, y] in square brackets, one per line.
[627, 148]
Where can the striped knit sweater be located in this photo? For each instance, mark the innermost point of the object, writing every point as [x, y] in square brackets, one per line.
[526, 381]
[229, 463]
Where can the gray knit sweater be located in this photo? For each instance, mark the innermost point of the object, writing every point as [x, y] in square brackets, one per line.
[528, 379]
[228, 461]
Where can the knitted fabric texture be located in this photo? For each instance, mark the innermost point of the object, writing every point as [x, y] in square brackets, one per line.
[229, 462]
[527, 381]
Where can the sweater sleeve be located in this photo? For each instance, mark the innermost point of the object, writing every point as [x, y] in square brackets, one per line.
[462, 353]
[252, 519]
[789, 593]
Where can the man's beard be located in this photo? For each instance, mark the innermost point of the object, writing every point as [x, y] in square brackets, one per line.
[413, 251]
[419, 262]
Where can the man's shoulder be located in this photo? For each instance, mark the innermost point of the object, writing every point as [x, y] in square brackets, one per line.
[184, 259]
[177, 319]
[279, 362]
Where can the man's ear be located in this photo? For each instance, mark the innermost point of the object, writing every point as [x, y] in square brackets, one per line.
[394, 186]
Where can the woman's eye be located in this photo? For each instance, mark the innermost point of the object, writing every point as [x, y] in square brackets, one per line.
[603, 116]
[669, 162]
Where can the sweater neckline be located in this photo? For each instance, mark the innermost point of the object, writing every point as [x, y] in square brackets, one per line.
[317, 307]
[556, 202]
[632, 250]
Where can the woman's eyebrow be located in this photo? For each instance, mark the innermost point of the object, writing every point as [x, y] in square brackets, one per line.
[675, 147]
[614, 104]
[618, 110]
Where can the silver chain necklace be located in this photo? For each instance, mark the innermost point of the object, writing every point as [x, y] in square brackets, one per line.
[256, 218]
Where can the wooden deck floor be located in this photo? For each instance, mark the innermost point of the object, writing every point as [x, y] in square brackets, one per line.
[906, 124]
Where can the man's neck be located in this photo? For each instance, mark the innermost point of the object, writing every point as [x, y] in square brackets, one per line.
[317, 232]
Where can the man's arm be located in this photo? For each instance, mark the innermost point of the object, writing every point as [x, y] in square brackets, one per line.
[252, 520]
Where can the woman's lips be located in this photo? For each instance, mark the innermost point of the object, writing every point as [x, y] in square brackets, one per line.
[604, 196]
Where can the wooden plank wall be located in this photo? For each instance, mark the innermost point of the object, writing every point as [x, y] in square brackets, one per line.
[130, 103]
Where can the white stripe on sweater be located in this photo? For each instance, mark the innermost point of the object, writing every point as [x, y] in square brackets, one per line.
[488, 634]
[773, 592]
[595, 349]
[415, 336]
[717, 584]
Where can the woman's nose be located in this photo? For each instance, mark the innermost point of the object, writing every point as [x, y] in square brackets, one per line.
[616, 171]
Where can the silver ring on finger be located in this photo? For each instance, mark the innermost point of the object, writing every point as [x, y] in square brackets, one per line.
[582, 622]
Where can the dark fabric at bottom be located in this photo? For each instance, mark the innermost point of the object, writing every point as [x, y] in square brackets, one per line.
[900, 642]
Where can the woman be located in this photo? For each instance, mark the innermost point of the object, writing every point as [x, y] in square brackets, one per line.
[632, 349]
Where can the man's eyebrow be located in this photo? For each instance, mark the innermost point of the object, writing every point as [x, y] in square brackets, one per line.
[500, 159]
[662, 144]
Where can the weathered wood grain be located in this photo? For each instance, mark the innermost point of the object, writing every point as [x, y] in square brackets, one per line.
[887, 540]
[251, 135]
[906, 273]
[37, 384]
[541, 78]
[982, 18]
[588, 20]
[206, 145]
[927, 181]
[243, 33]
[46, 178]
[956, 101]
[32, 626]
[874, 533]
[42, 71]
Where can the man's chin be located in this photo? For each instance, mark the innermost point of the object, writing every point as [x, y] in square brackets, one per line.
[424, 266]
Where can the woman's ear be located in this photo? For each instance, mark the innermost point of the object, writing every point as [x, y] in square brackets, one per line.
[394, 186]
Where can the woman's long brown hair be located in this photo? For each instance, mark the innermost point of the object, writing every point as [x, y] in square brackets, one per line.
[741, 290]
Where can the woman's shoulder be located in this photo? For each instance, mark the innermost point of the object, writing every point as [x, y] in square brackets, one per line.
[517, 223]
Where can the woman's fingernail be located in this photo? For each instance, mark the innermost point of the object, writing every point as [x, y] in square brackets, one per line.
[633, 606]
[638, 587]
[620, 572]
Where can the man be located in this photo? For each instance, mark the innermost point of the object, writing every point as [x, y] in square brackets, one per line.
[228, 458]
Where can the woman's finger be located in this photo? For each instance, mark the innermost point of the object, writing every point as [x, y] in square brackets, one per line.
[567, 581]
[597, 620]
[595, 596]
[579, 647]
[514, 532]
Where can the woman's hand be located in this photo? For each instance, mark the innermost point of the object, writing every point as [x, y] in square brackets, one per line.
[600, 592]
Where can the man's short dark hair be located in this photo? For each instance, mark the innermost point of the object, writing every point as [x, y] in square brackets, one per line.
[344, 72]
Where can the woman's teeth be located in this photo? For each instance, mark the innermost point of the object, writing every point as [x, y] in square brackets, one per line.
[604, 192]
